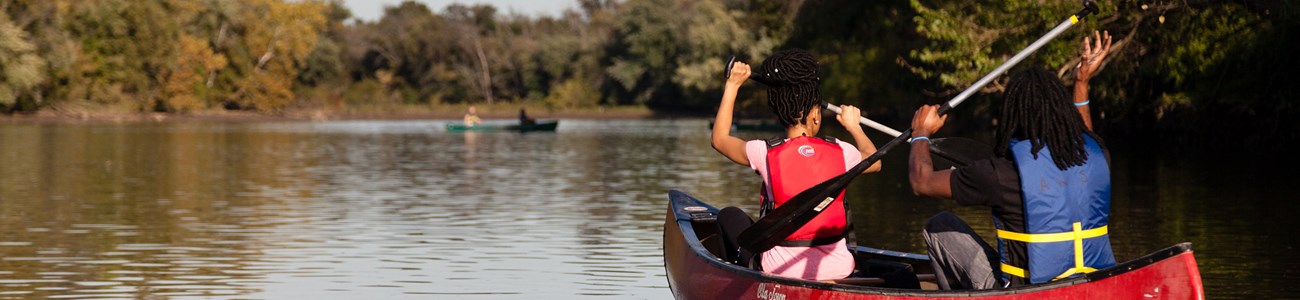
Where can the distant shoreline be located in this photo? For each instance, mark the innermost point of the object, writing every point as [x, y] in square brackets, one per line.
[56, 117]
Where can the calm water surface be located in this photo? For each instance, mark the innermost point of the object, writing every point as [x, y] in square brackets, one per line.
[404, 209]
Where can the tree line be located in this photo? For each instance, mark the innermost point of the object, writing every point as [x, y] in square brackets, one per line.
[1175, 64]
[271, 55]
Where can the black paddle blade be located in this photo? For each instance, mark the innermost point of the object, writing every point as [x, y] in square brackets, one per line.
[956, 151]
[965, 148]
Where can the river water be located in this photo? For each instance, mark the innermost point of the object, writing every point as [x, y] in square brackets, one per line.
[405, 209]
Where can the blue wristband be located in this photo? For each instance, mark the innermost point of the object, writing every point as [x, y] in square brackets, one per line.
[1085, 102]
[913, 140]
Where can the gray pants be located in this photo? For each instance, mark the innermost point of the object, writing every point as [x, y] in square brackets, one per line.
[961, 259]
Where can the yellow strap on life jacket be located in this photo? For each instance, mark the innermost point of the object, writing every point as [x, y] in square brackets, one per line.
[1077, 235]
[1013, 270]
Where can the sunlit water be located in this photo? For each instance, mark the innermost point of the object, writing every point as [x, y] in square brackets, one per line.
[404, 209]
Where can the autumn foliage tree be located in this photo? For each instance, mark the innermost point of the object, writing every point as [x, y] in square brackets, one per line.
[20, 67]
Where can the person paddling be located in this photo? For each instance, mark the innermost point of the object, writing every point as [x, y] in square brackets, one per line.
[524, 119]
[793, 162]
[1048, 187]
[471, 117]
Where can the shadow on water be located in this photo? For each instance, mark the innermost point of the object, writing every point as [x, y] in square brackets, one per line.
[403, 209]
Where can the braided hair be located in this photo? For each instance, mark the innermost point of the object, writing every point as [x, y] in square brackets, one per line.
[1037, 108]
[792, 85]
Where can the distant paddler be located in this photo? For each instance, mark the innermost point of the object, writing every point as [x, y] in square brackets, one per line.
[471, 117]
[524, 120]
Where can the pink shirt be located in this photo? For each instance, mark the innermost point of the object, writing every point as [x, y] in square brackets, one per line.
[832, 261]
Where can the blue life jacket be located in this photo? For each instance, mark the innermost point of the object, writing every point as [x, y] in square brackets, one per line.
[1066, 212]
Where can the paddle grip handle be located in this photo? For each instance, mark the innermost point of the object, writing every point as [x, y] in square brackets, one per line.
[1089, 7]
[759, 77]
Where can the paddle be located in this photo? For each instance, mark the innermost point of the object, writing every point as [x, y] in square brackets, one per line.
[779, 223]
[960, 151]
[936, 145]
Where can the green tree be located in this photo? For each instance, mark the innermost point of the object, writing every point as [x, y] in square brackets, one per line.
[712, 34]
[1175, 66]
[967, 39]
[127, 44]
[669, 53]
[411, 42]
[471, 26]
[326, 63]
[647, 39]
[20, 68]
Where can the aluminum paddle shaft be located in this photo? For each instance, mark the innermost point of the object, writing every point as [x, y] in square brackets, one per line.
[1089, 7]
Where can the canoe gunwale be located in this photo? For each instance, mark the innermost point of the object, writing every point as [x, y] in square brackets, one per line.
[679, 200]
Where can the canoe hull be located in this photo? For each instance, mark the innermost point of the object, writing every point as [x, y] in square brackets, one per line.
[695, 273]
[484, 127]
[539, 126]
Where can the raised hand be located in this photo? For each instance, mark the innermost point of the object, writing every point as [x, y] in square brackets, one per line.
[1094, 52]
[739, 74]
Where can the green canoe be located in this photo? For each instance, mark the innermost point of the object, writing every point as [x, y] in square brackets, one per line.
[539, 126]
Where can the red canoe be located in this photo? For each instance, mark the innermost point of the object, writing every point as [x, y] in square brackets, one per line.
[696, 272]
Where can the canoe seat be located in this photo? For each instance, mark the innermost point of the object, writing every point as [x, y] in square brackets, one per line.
[710, 234]
[718, 231]
[732, 221]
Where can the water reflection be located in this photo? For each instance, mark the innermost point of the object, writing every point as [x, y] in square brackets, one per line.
[345, 210]
[334, 210]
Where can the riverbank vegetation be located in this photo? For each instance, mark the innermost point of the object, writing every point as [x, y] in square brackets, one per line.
[1185, 69]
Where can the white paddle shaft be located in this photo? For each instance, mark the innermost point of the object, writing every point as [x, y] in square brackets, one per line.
[868, 122]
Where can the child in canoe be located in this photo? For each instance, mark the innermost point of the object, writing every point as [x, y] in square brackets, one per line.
[793, 162]
[471, 117]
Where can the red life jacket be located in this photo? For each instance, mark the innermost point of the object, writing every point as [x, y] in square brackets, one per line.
[797, 164]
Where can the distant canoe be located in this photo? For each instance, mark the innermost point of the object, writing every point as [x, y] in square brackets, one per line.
[695, 271]
[539, 126]
[758, 126]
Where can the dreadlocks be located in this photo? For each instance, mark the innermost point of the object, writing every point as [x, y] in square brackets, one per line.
[1037, 108]
[792, 85]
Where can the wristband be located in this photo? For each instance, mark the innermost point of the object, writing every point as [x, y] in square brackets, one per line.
[1085, 102]
[913, 140]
